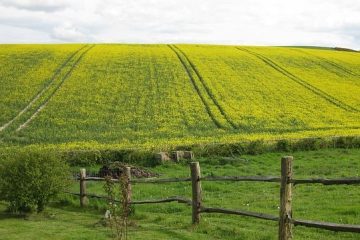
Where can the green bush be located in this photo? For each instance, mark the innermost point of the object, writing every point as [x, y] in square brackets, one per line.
[310, 144]
[283, 145]
[31, 179]
[94, 157]
[347, 142]
[256, 147]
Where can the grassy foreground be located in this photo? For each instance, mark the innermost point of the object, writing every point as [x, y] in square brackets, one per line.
[125, 96]
[341, 204]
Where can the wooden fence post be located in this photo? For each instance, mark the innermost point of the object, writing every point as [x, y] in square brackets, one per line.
[285, 226]
[196, 191]
[83, 198]
[127, 171]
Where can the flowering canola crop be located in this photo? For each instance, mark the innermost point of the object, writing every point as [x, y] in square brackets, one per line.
[158, 94]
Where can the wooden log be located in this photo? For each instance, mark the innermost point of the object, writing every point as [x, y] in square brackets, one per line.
[346, 181]
[242, 178]
[196, 191]
[83, 198]
[127, 183]
[98, 179]
[325, 181]
[150, 201]
[285, 226]
[328, 226]
[240, 212]
[159, 180]
[170, 199]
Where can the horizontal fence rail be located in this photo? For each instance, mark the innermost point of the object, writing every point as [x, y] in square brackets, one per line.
[324, 181]
[286, 180]
[169, 199]
[240, 212]
[347, 181]
[160, 180]
[242, 178]
[140, 180]
[328, 226]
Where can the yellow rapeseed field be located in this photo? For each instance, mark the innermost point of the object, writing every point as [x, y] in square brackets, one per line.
[137, 95]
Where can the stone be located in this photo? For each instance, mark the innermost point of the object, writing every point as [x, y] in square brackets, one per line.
[162, 157]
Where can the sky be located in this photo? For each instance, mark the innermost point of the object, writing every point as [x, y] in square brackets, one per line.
[333, 23]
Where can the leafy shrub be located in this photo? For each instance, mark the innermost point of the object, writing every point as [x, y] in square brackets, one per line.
[119, 213]
[256, 147]
[83, 157]
[310, 144]
[283, 145]
[31, 179]
[347, 142]
[93, 157]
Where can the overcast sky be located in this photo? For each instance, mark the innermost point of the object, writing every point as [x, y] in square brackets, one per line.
[250, 22]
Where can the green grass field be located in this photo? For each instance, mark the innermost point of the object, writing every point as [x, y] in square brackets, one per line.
[155, 95]
[339, 204]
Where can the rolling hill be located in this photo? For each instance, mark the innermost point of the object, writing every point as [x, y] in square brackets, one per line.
[136, 95]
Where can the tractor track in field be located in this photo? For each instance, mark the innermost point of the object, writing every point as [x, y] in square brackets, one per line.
[329, 62]
[216, 122]
[43, 90]
[301, 82]
[46, 101]
[178, 53]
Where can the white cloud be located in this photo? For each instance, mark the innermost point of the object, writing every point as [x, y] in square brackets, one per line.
[10, 34]
[260, 22]
[36, 5]
[67, 32]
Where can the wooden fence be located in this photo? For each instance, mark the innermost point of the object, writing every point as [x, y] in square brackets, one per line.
[285, 219]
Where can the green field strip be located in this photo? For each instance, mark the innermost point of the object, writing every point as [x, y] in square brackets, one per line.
[302, 82]
[183, 57]
[42, 91]
[45, 102]
[329, 62]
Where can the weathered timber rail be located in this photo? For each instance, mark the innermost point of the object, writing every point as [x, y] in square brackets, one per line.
[169, 199]
[286, 180]
[347, 181]
[240, 212]
[324, 181]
